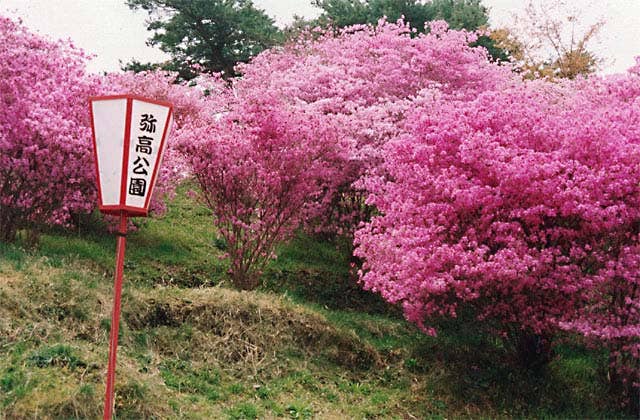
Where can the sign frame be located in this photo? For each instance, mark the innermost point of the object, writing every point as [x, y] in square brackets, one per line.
[118, 209]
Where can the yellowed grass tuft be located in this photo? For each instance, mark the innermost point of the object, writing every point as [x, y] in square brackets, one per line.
[244, 329]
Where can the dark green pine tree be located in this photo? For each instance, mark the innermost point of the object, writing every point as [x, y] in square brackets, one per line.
[212, 34]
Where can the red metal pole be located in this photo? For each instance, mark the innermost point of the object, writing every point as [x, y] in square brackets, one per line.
[115, 317]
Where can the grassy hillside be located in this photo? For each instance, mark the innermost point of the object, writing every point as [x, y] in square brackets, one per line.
[309, 344]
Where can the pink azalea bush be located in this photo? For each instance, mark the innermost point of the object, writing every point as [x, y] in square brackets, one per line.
[261, 169]
[307, 120]
[523, 203]
[610, 313]
[46, 168]
[363, 81]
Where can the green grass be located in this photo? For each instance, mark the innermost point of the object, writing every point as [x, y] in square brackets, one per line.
[313, 271]
[176, 249]
[243, 411]
[309, 344]
[59, 355]
[180, 376]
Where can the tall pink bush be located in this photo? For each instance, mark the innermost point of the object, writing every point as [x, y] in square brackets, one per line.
[46, 169]
[262, 169]
[523, 203]
[610, 313]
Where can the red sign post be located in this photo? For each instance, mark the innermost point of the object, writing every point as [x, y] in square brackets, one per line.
[129, 139]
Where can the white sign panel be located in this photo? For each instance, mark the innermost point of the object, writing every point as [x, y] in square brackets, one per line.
[109, 118]
[148, 123]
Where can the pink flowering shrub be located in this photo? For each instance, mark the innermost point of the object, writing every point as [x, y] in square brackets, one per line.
[46, 168]
[261, 169]
[610, 312]
[523, 203]
[362, 81]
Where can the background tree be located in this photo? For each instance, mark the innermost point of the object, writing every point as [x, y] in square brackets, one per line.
[137, 66]
[551, 39]
[459, 14]
[210, 35]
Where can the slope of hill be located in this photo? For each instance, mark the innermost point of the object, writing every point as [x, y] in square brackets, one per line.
[308, 344]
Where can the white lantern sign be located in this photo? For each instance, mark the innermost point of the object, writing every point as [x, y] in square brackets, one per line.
[129, 135]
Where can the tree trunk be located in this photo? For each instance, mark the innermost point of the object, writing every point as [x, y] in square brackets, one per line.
[8, 230]
[245, 281]
[621, 386]
[32, 238]
[533, 350]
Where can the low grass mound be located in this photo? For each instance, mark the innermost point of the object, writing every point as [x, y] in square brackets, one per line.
[53, 344]
[199, 353]
[250, 329]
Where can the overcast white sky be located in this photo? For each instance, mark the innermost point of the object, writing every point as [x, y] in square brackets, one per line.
[109, 29]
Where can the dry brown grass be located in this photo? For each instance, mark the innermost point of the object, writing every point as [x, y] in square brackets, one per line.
[242, 334]
[41, 306]
[246, 330]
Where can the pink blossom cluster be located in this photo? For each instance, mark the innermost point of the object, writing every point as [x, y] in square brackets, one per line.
[362, 82]
[46, 168]
[523, 202]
